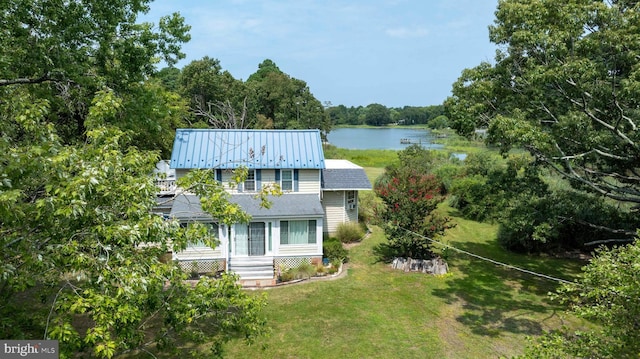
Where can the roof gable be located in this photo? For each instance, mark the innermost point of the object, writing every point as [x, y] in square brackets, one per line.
[258, 149]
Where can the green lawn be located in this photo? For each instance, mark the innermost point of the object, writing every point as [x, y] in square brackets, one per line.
[478, 310]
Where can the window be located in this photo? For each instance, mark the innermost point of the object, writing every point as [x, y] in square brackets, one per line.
[351, 197]
[298, 232]
[351, 200]
[286, 181]
[212, 229]
[250, 182]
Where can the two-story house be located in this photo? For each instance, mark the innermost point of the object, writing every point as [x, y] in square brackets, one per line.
[318, 195]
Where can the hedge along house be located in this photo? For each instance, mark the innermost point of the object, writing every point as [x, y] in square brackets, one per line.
[291, 230]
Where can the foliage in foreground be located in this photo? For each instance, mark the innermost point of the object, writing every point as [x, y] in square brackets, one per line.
[78, 233]
[608, 294]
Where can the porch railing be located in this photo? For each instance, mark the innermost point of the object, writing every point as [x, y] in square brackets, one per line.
[166, 186]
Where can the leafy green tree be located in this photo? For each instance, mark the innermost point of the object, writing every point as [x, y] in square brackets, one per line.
[169, 77]
[565, 87]
[83, 258]
[337, 115]
[608, 294]
[410, 196]
[150, 114]
[533, 215]
[377, 115]
[439, 122]
[66, 51]
[284, 101]
[216, 98]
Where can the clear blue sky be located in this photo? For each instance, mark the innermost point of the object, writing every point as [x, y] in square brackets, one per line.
[392, 52]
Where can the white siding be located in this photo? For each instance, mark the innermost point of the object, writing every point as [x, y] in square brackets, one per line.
[299, 250]
[335, 208]
[194, 253]
[309, 181]
[334, 211]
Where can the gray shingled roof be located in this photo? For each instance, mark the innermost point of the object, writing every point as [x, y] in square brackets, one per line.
[344, 175]
[187, 207]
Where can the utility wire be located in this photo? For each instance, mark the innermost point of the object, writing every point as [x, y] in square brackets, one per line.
[560, 280]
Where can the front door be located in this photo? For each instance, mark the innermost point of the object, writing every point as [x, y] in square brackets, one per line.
[250, 240]
[256, 239]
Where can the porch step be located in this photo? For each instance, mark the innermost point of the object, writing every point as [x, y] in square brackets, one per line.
[249, 268]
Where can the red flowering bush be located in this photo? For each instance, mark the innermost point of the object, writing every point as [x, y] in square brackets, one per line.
[409, 197]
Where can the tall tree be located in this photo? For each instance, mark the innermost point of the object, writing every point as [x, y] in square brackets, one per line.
[565, 87]
[83, 258]
[284, 101]
[216, 97]
[68, 50]
[377, 115]
[82, 252]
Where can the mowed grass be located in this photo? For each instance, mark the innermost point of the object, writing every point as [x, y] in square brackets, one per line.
[478, 310]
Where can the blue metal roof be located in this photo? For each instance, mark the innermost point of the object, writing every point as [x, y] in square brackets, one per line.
[258, 149]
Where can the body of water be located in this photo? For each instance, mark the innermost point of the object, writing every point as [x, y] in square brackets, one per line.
[387, 138]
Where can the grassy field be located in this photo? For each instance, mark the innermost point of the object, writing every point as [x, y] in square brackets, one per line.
[478, 310]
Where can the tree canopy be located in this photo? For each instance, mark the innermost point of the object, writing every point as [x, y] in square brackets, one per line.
[564, 86]
[83, 257]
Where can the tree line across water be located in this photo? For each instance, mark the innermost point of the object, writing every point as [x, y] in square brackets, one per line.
[270, 98]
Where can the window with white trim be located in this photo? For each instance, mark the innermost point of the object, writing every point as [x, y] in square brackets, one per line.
[298, 232]
[286, 180]
[250, 182]
[351, 200]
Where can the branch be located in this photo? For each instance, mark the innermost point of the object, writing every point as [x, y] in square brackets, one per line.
[27, 81]
[609, 241]
[607, 191]
[226, 115]
[583, 105]
[623, 232]
[602, 153]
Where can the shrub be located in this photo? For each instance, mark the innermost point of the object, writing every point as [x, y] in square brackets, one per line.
[349, 232]
[304, 270]
[333, 249]
[369, 206]
[562, 220]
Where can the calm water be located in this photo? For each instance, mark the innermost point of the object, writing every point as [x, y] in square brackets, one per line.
[380, 138]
